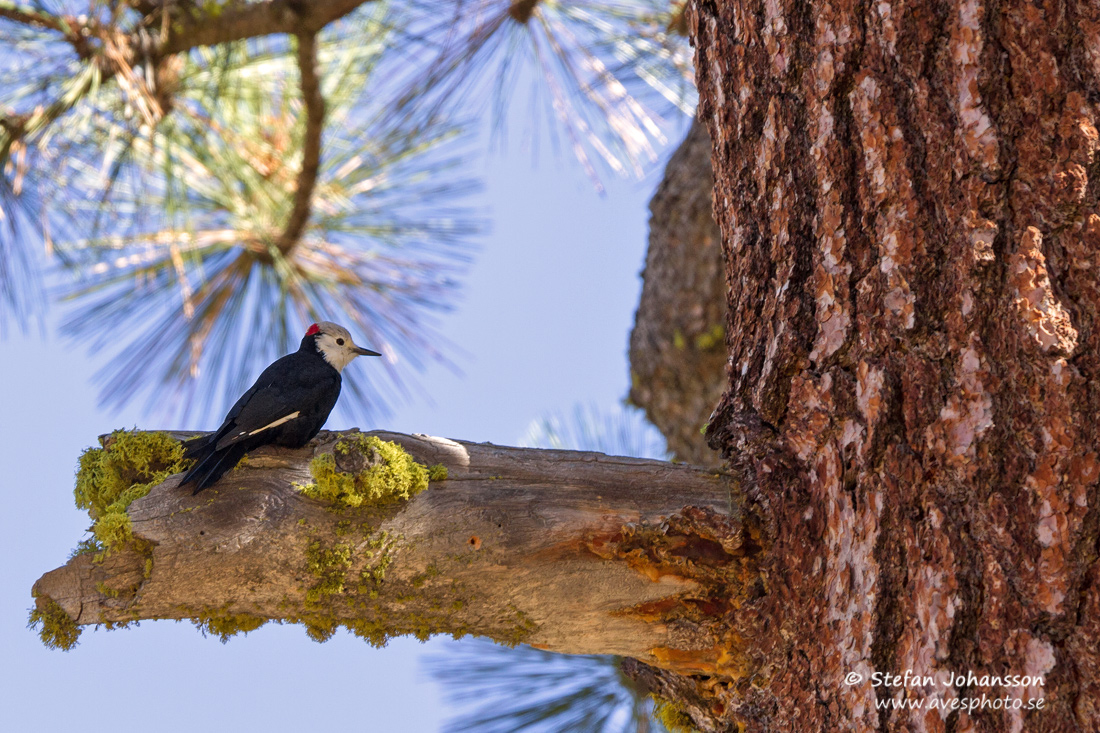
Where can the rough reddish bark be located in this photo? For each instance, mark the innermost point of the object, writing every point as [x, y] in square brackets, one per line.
[907, 194]
[678, 346]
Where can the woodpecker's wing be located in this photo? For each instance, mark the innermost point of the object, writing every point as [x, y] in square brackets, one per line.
[279, 396]
[201, 447]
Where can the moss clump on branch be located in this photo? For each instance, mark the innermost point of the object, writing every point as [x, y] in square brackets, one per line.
[90, 546]
[365, 470]
[55, 627]
[438, 472]
[224, 625]
[379, 627]
[112, 477]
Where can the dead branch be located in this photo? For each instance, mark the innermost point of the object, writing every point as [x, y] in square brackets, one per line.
[573, 552]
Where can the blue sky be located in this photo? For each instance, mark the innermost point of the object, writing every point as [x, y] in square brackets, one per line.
[543, 324]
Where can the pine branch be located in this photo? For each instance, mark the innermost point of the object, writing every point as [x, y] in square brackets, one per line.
[311, 146]
[76, 31]
[29, 16]
[299, 17]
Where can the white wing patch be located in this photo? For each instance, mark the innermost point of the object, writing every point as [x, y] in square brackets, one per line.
[277, 423]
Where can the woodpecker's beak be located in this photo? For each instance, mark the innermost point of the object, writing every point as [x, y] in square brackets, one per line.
[366, 352]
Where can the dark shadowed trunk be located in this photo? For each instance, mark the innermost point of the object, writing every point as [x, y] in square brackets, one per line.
[678, 345]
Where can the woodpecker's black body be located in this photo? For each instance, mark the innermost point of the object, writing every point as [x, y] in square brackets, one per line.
[287, 406]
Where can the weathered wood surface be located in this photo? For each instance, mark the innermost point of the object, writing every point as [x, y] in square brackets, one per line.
[516, 544]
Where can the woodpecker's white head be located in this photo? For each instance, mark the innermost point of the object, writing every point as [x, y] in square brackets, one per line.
[335, 345]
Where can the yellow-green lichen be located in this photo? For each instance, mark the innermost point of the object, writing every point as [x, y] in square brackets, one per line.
[388, 475]
[320, 629]
[673, 717]
[329, 565]
[379, 624]
[420, 579]
[711, 339]
[110, 478]
[90, 546]
[438, 472]
[225, 625]
[55, 627]
[106, 590]
[372, 576]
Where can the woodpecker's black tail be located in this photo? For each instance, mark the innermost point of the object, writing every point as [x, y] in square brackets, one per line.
[198, 448]
[210, 464]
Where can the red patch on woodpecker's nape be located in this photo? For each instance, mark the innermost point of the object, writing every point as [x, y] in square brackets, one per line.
[313, 330]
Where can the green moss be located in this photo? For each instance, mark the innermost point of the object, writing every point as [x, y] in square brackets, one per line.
[110, 478]
[351, 584]
[711, 339]
[374, 632]
[55, 627]
[390, 474]
[678, 340]
[320, 629]
[90, 546]
[225, 625]
[378, 634]
[372, 576]
[112, 625]
[378, 624]
[438, 472]
[673, 717]
[102, 588]
[330, 566]
[113, 529]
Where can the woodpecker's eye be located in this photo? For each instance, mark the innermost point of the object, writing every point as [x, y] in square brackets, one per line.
[339, 342]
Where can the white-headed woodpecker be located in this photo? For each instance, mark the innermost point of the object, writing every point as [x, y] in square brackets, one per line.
[286, 406]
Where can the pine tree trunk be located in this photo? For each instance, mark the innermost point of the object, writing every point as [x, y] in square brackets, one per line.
[907, 195]
[678, 345]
